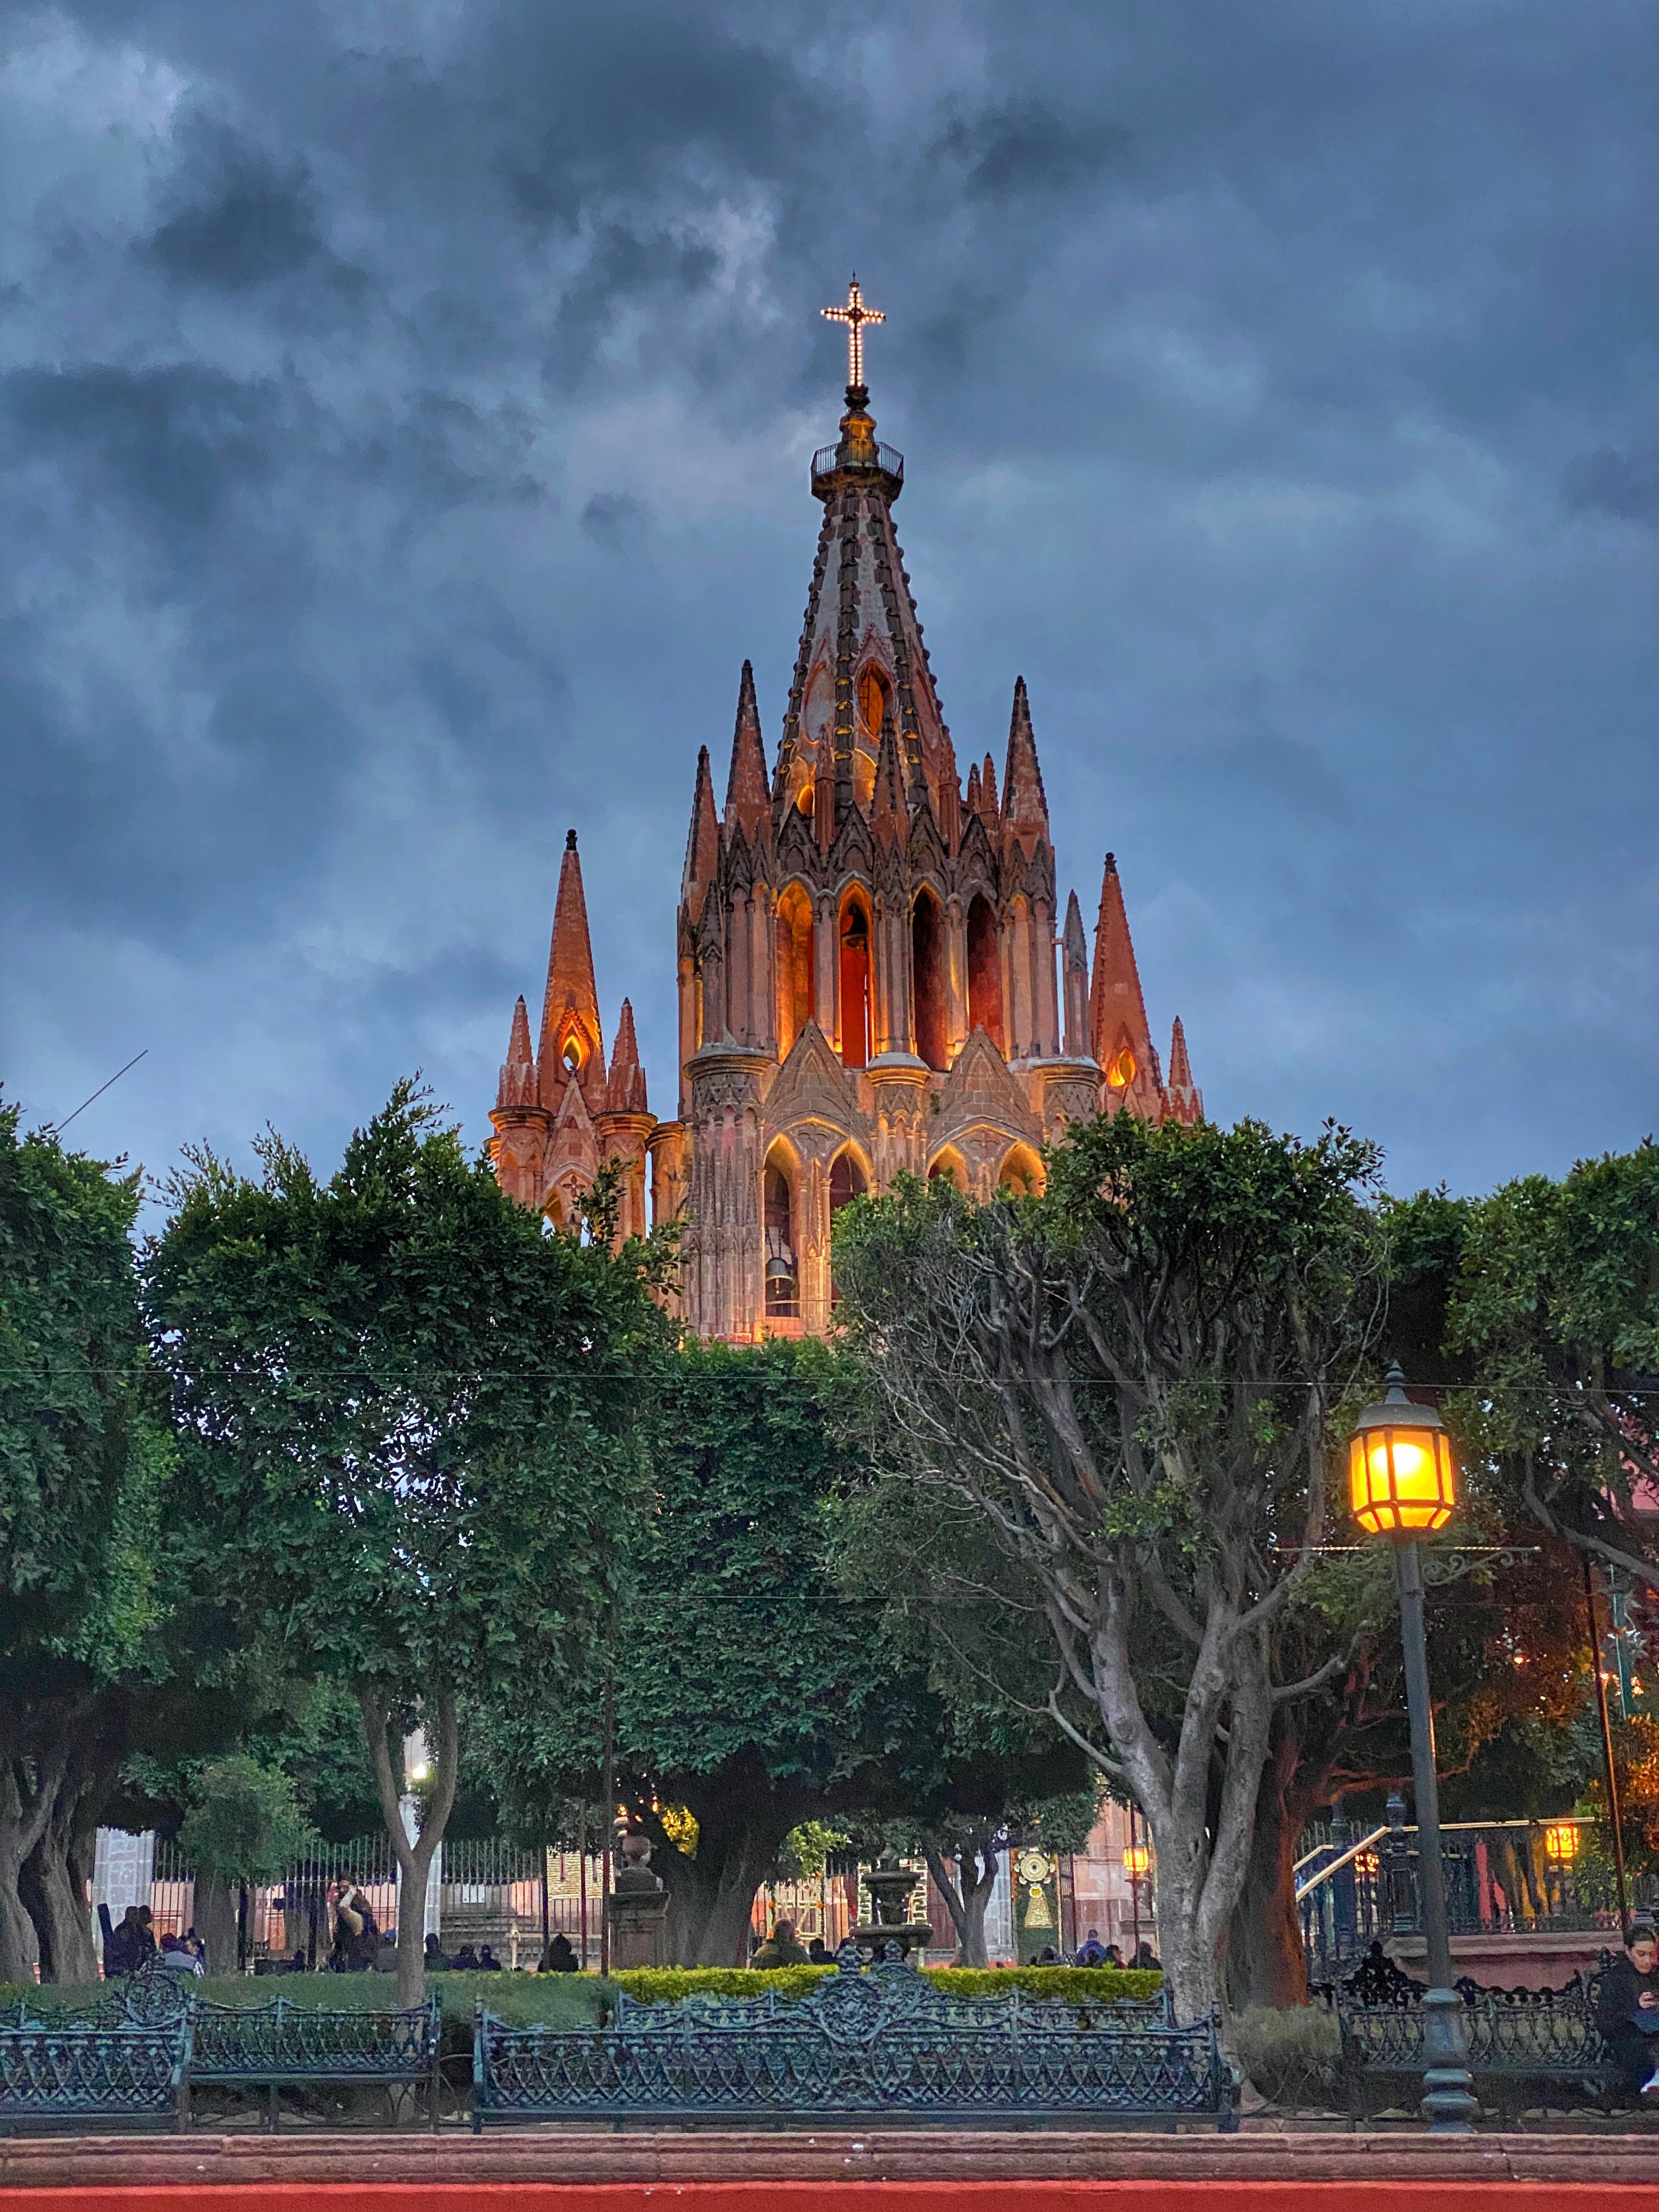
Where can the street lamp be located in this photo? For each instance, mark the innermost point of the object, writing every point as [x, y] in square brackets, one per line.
[1402, 1485]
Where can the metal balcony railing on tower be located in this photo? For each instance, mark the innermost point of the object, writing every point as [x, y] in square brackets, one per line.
[887, 459]
[1356, 1886]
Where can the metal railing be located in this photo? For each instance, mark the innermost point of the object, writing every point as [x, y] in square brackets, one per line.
[887, 459]
[1503, 1877]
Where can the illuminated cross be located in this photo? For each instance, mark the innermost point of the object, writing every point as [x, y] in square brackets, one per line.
[855, 315]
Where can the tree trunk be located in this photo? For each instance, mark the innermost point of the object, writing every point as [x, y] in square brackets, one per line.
[742, 1817]
[1267, 1964]
[56, 1903]
[215, 1921]
[414, 1858]
[30, 1783]
[968, 1891]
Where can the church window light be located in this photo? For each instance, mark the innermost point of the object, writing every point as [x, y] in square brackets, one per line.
[1120, 1073]
[854, 984]
[949, 1168]
[781, 1274]
[793, 967]
[848, 1181]
[571, 1056]
[928, 977]
[1021, 1173]
[874, 698]
[985, 971]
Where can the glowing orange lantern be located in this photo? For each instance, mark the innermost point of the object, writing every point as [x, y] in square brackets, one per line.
[1401, 1481]
[1561, 1841]
[1136, 1860]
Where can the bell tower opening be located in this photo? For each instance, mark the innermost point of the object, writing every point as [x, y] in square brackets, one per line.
[781, 1270]
[854, 984]
[794, 967]
[848, 1181]
[985, 971]
[928, 977]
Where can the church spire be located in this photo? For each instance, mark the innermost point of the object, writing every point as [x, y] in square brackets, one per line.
[703, 843]
[516, 1086]
[570, 1041]
[748, 798]
[1074, 955]
[1117, 1012]
[1024, 806]
[1186, 1100]
[890, 819]
[625, 1092]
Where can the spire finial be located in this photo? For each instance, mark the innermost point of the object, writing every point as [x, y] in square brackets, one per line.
[855, 315]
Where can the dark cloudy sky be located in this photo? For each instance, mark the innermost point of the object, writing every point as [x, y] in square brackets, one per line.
[405, 414]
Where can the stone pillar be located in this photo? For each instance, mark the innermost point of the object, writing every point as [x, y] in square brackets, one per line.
[739, 1012]
[763, 978]
[625, 1136]
[812, 1251]
[955, 980]
[901, 1081]
[723, 1280]
[826, 945]
[637, 1908]
[1045, 1041]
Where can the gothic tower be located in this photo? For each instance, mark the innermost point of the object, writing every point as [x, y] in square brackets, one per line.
[867, 959]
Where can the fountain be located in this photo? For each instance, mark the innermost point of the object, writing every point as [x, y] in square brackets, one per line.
[889, 1886]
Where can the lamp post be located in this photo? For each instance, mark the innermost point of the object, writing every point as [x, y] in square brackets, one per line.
[1402, 1485]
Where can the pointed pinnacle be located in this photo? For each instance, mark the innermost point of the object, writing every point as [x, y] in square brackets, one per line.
[747, 791]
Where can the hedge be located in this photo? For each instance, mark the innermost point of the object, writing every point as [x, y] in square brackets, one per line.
[1063, 1985]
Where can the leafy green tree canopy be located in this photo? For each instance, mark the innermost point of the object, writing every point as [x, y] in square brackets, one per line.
[408, 1415]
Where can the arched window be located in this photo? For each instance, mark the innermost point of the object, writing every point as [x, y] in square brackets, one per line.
[794, 966]
[928, 977]
[950, 1167]
[985, 972]
[781, 1271]
[848, 1181]
[854, 984]
[1021, 1173]
[874, 698]
[1120, 1068]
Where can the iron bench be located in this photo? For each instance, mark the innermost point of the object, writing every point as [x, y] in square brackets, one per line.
[1518, 2038]
[63, 2072]
[880, 2040]
[284, 2045]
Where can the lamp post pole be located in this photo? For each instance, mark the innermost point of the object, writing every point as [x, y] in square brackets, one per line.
[1402, 1485]
[1448, 2102]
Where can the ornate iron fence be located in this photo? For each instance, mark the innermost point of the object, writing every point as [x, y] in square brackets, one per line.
[1534, 2037]
[875, 2041]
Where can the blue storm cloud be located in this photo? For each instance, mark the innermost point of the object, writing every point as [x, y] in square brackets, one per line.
[404, 420]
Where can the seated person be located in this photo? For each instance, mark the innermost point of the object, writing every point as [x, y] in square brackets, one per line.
[488, 1962]
[177, 1958]
[467, 1959]
[818, 1954]
[559, 1958]
[1091, 1951]
[296, 1965]
[1627, 2013]
[1047, 1956]
[1114, 1957]
[437, 1958]
[780, 1948]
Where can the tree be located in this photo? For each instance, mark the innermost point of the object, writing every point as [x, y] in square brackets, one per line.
[83, 1469]
[1132, 1380]
[244, 1825]
[749, 1693]
[408, 1416]
[1555, 1314]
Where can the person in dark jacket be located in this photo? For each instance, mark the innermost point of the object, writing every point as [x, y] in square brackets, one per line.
[559, 1958]
[1627, 2012]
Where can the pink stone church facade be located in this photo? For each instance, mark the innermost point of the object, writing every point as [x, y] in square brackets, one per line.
[874, 970]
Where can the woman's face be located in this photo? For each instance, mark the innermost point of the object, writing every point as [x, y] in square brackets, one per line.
[1643, 1955]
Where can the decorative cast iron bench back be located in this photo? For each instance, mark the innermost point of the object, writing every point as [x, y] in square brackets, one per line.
[882, 2041]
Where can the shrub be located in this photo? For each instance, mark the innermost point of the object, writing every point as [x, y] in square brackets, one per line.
[1295, 2057]
[1093, 1985]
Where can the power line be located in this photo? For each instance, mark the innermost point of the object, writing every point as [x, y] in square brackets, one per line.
[56, 1128]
